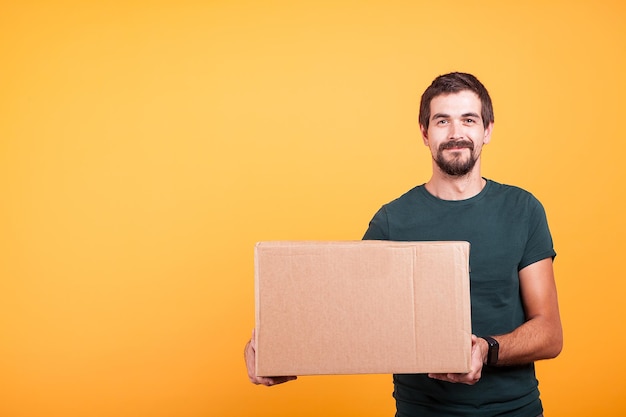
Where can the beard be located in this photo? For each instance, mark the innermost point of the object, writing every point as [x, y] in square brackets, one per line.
[457, 166]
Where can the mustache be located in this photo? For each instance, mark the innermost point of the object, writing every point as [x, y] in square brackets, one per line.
[457, 144]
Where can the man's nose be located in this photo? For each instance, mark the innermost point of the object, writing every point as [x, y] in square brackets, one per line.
[456, 130]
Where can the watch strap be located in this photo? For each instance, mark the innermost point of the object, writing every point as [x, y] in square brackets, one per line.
[494, 347]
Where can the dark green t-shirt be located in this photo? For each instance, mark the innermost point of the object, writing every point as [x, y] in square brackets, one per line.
[507, 230]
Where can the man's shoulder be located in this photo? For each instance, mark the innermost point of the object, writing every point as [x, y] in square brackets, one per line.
[508, 190]
[512, 195]
[408, 198]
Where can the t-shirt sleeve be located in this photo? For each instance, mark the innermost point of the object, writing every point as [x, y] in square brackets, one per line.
[539, 244]
[379, 227]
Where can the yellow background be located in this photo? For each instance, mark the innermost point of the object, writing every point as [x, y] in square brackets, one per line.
[146, 146]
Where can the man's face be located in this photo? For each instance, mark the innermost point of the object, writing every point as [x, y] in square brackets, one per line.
[455, 133]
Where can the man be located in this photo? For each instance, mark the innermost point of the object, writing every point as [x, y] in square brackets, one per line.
[515, 315]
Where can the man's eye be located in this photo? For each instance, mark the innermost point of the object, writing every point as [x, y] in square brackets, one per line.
[470, 121]
[442, 121]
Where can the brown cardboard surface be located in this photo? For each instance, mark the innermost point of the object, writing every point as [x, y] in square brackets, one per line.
[357, 307]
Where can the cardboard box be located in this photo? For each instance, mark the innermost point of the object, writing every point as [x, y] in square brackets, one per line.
[362, 307]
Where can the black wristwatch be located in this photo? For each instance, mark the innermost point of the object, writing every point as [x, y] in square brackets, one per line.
[494, 347]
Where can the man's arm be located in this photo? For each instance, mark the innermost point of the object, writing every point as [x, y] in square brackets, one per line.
[540, 337]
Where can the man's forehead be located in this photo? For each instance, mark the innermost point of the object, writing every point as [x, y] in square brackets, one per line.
[462, 102]
[463, 95]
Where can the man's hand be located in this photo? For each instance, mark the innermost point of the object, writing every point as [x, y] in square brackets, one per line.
[250, 357]
[479, 352]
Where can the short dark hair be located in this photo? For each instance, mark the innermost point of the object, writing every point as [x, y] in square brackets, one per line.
[455, 82]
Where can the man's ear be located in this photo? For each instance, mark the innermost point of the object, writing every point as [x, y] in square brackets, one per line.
[488, 131]
[424, 131]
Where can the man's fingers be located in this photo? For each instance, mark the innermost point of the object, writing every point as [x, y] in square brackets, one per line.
[469, 379]
[270, 381]
[253, 340]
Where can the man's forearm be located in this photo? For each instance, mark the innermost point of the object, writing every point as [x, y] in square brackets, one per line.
[538, 338]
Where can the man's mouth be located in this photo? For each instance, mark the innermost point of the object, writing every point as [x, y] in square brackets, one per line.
[457, 144]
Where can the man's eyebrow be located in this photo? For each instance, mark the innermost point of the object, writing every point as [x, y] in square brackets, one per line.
[447, 116]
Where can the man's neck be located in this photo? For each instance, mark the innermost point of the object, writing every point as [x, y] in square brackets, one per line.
[453, 188]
